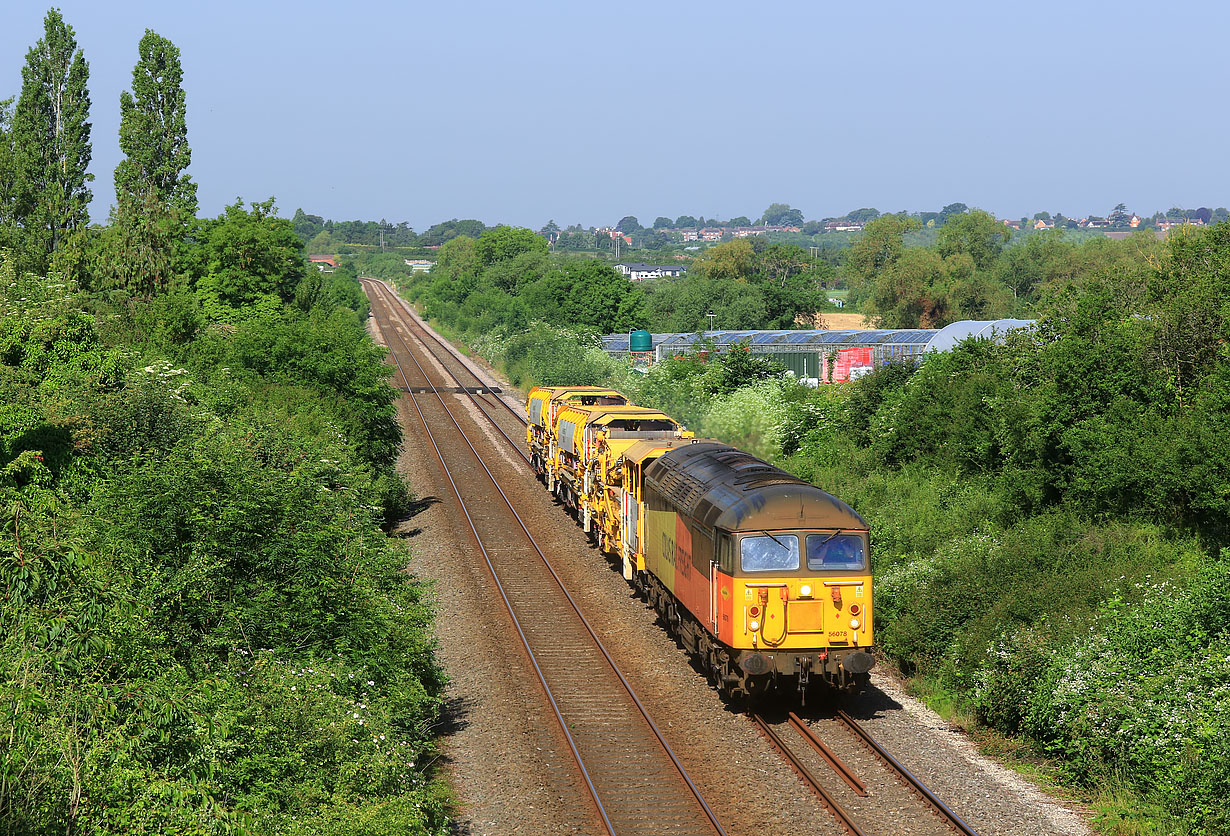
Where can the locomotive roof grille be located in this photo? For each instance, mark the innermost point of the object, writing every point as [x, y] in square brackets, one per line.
[721, 486]
[684, 489]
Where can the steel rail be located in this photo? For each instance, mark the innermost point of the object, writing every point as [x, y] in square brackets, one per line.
[385, 288]
[837, 764]
[954, 821]
[657, 734]
[589, 629]
[559, 717]
[839, 813]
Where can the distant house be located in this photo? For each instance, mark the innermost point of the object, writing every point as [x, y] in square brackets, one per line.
[1167, 224]
[1041, 224]
[843, 226]
[613, 233]
[1012, 224]
[419, 265]
[637, 271]
[323, 261]
[711, 233]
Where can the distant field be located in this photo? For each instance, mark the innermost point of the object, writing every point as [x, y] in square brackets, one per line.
[842, 321]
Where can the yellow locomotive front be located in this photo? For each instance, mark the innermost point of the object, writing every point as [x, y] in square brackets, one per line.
[763, 576]
[799, 603]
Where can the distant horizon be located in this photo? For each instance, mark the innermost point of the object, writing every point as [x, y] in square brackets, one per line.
[647, 222]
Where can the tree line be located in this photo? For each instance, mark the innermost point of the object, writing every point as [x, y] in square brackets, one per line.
[970, 271]
[507, 278]
[665, 234]
[326, 236]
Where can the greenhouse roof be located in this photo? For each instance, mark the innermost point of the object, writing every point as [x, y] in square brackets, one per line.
[928, 339]
[798, 340]
[947, 337]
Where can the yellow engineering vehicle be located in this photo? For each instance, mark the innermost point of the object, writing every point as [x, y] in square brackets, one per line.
[543, 407]
[589, 445]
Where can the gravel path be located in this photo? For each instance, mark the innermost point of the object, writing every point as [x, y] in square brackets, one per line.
[512, 772]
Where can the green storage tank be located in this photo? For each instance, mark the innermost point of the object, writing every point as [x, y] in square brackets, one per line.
[640, 341]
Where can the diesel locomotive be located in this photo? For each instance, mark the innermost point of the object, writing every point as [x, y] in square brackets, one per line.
[764, 578]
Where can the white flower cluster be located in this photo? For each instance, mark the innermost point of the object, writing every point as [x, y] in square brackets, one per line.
[175, 378]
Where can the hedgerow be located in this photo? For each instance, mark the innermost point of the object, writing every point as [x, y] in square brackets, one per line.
[204, 628]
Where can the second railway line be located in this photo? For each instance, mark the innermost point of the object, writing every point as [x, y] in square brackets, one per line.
[637, 783]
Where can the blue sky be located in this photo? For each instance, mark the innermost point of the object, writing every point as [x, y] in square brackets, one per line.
[581, 112]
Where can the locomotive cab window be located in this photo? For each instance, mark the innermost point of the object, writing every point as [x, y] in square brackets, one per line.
[726, 552]
[769, 552]
[836, 551]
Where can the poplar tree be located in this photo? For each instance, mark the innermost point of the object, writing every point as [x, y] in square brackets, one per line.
[154, 132]
[8, 227]
[51, 149]
[155, 199]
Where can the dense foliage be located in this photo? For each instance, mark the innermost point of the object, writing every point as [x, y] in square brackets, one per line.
[499, 283]
[505, 279]
[204, 625]
[967, 269]
[1049, 512]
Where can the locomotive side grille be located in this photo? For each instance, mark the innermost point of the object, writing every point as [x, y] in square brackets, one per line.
[683, 489]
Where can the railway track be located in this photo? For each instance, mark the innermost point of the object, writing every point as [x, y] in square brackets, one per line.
[486, 397]
[637, 784]
[852, 799]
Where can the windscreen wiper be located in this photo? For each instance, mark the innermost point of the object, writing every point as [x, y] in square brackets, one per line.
[775, 540]
[831, 536]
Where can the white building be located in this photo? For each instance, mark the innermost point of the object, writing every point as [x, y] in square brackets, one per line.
[637, 271]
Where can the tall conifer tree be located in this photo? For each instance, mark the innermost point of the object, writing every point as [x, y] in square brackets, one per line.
[51, 141]
[154, 132]
[8, 223]
[155, 199]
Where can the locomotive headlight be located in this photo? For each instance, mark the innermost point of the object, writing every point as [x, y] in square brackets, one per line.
[755, 625]
[853, 623]
[805, 590]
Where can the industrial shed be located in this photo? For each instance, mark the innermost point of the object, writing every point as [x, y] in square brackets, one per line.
[810, 354]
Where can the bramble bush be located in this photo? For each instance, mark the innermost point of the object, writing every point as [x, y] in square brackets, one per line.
[203, 628]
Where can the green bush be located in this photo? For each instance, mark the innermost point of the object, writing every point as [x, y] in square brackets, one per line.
[203, 628]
